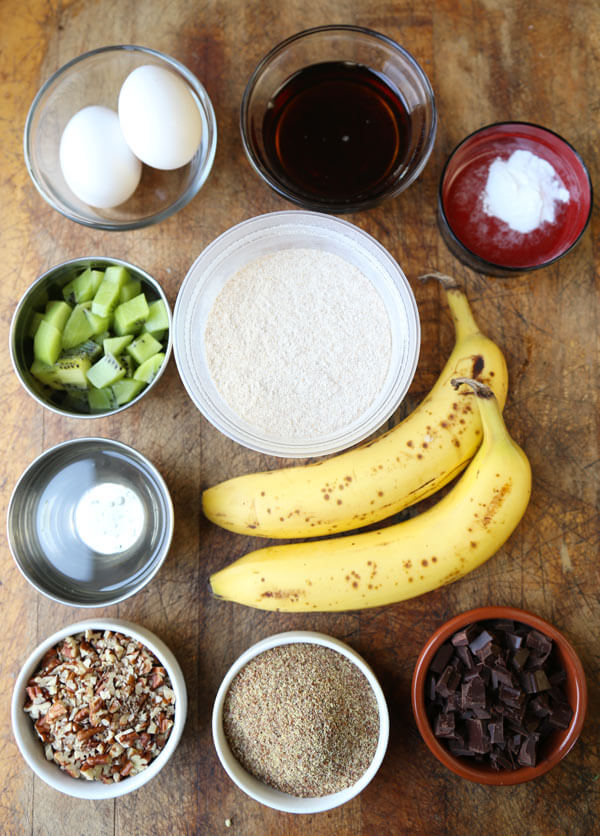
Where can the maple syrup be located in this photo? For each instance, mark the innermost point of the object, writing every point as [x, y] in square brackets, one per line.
[336, 133]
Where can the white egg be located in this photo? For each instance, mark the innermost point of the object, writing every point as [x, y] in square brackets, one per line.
[96, 162]
[159, 117]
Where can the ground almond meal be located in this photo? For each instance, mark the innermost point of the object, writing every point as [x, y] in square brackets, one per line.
[102, 705]
[303, 719]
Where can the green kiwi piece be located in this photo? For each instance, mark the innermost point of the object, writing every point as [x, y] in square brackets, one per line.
[78, 327]
[149, 368]
[47, 343]
[126, 390]
[36, 318]
[105, 371]
[90, 348]
[117, 274]
[65, 373]
[143, 347]
[130, 289]
[83, 287]
[106, 298]
[116, 345]
[100, 400]
[57, 312]
[158, 319]
[100, 324]
[130, 316]
[129, 363]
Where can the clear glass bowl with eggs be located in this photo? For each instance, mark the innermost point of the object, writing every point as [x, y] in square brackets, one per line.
[120, 138]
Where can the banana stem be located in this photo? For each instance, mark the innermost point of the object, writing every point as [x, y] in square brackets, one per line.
[462, 316]
[494, 427]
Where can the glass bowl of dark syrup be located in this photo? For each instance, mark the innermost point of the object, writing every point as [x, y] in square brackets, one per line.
[338, 119]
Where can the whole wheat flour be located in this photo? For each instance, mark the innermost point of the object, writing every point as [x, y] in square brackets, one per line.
[298, 343]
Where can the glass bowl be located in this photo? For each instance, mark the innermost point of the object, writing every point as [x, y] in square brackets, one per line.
[49, 286]
[32, 748]
[255, 788]
[90, 522]
[272, 233]
[361, 103]
[488, 244]
[553, 749]
[95, 78]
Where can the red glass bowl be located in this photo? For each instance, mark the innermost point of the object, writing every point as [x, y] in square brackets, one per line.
[554, 748]
[487, 244]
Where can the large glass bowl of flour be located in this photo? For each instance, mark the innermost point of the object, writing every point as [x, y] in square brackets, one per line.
[296, 334]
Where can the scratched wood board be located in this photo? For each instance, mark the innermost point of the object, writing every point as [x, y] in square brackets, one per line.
[488, 60]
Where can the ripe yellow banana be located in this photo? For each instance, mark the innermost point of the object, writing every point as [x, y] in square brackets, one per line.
[460, 532]
[371, 482]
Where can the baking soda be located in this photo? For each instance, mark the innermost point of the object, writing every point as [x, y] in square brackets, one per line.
[523, 191]
[298, 343]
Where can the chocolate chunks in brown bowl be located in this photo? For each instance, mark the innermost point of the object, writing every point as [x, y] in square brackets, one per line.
[495, 692]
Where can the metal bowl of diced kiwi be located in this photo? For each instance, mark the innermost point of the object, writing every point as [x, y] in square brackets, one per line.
[91, 336]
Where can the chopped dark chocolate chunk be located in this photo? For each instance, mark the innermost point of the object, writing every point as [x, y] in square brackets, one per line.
[519, 658]
[477, 739]
[448, 681]
[484, 638]
[496, 731]
[495, 693]
[473, 693]
[535, 681]
[441, 658]
[528, 751]
[445, 725]
[465, 636]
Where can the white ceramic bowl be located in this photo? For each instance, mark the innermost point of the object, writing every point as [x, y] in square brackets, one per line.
[32, 748]
[267, 795]
[267, 234]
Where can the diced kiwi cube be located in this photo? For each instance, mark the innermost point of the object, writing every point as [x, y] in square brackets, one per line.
[117, 274]
[130, 289]
[143, 347]
[36, 318]
[66, 373]
[78, 327]
[106, 298]
[101, 399]
[105, 371]
[84, 286]
[158, 319]
[47, 343]
[127, 389]
[129, 363]
[130, 316]
[100, 324]
[149, 368]
[57, 312]
[90, 348]
[116, 345]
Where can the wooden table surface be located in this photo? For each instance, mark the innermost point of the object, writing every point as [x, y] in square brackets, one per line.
[488, 60]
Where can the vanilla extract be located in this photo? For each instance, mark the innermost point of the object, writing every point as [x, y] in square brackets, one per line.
[336, 132]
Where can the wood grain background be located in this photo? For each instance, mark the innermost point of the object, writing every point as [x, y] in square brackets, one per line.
[488, 60]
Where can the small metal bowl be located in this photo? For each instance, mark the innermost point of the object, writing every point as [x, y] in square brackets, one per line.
[396, 81]
[95, 78]
[67, 538]
[49, 286]
[553, 749]
[267, 795]
[31, 747]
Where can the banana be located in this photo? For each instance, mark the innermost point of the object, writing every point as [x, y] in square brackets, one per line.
[404, 560]
[376, 480]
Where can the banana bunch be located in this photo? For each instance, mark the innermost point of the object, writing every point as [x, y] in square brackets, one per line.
[376, 480]
[392, 564]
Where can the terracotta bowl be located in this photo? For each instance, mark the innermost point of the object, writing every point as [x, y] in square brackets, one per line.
[553, 749]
